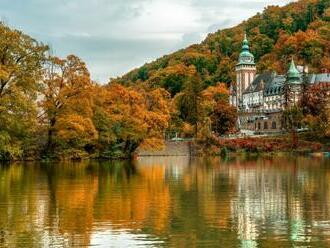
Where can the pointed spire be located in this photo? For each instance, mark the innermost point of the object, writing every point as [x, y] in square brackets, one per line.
[292, 65]
[293, 68]
[293, 72]
[245, 56]
[245, 46]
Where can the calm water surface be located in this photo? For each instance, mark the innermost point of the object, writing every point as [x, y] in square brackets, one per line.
[167, 202]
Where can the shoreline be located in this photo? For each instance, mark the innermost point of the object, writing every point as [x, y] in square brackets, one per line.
[228, 154]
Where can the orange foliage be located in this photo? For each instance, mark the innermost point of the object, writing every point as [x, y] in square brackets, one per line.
[216, 92]
[136, 116]
[67, 104]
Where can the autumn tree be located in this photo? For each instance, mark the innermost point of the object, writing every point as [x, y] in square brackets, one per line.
[314, 106]
[189, 102]
[67, 106]
[223, 115]
[129, 117]
[172, 78]
[224, 71]
[21, 61]
[203, 61]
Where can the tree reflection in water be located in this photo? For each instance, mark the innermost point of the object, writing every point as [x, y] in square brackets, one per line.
[169, 201]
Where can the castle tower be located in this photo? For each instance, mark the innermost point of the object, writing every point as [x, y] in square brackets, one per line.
[294, 83]
[245, 70]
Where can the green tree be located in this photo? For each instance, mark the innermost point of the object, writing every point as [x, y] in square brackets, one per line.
[21, 61]
[292, 120]
[189, 102]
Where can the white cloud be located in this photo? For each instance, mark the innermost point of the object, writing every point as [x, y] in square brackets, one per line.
[115, 36]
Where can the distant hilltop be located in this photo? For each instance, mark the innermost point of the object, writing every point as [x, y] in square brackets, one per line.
[300, 29]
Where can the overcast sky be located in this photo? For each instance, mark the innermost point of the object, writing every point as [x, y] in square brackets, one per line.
[115, 36]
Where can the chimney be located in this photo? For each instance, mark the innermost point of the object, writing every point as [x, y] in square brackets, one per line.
[301, 68]
[306, 69]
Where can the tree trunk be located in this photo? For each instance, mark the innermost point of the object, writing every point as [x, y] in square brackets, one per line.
[50, 142]
[294, 138]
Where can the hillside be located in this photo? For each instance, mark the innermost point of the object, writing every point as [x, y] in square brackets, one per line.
[300, 29]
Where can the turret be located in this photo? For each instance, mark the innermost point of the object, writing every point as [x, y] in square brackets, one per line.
[294, 85]
[293, 74]
[245, 70]
[245, 57]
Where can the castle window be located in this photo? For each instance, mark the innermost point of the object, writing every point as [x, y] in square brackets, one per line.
[273, 125]
[265, 125]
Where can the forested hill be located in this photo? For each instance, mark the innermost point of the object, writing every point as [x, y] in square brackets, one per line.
[300, 29]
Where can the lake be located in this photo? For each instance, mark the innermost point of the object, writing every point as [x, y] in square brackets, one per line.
[167, 202]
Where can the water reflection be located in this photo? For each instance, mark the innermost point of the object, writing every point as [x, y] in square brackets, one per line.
[280, 202]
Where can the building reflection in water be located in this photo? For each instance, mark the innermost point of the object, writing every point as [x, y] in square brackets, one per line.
[164, 201]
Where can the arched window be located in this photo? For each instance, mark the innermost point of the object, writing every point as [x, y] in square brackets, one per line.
[273, 125]
[259, 126]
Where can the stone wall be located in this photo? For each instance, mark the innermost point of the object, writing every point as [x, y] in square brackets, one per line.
[171, 148]
[272, 123]
[261, 122]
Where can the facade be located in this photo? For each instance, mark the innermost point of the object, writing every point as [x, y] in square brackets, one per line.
[261, 98]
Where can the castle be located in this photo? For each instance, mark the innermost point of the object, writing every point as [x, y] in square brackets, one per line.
[261, 98]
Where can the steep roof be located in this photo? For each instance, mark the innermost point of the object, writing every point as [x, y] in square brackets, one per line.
[256, 85]
[319, 78]
[273, 84]
[270, 83]
[276, 86]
